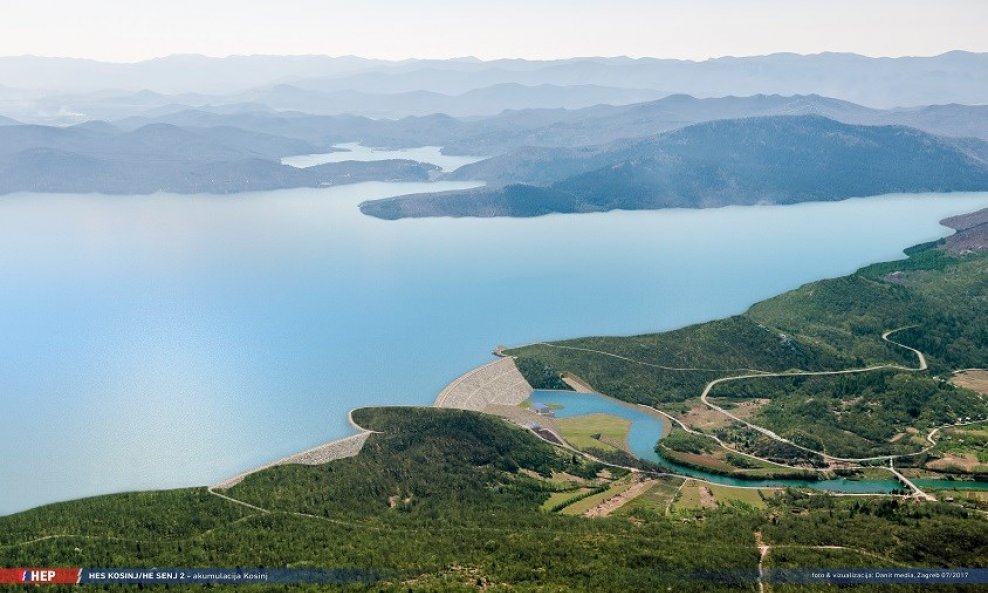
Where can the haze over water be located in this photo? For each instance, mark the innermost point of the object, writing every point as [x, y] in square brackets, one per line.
[160, 341]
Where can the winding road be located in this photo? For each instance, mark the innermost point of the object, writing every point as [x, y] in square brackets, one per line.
[922, 366]
[704, 397]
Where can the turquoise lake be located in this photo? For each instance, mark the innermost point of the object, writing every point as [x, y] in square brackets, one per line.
[164, 341]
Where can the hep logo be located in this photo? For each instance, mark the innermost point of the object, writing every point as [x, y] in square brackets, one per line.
[39, 576]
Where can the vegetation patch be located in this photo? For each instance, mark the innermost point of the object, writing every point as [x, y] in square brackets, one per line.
[855, 415]
[655, 500]
[595, 431]
[540, 375]
[589, 502]
[688, 442]
[962, 449]
[705, 495]
[559, 500]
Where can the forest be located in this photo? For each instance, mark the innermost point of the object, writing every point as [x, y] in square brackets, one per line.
[442, 500]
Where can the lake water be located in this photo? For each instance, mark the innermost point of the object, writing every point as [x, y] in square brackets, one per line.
[163, 341]
[354, 151]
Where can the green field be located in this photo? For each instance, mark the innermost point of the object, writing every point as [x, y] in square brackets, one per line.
[595, 431]
[581, 506]
[558, 498]
[691, 498]
[654, 500]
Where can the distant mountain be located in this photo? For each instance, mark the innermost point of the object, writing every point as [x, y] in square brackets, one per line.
[776, 160]
[478, 102]
[7, 121]
[568, 128]
[954, 77]
[46, 170]
[62, 109]
[604, 123]
[99, 157]
[152, 141]
[322, 130]
[588, 130]
[947, 120]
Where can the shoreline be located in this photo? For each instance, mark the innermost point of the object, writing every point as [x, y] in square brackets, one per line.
[496, 387]
[493, 384]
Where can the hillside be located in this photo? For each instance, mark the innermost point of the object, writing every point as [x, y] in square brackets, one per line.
[602, 124]
[99, 157]
[936, 299]
[971, 235]
[777, 160]
[152, 141]
[442, 500]
[437, 500]
[45, 170]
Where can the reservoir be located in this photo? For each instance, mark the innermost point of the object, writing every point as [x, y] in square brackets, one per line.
[165, 340]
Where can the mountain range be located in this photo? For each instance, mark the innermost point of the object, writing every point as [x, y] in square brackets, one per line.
[534, 147]
[773, 160]
[65, 91]
[567, 127]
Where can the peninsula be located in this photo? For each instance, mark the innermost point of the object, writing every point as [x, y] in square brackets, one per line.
[759, 160]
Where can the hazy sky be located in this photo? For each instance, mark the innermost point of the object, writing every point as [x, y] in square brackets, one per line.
[129, 30]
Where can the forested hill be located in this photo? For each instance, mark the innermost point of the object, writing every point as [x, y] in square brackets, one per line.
[99, 157]
[743, 161]
[444, 500]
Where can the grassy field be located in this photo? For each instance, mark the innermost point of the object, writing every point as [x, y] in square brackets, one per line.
[558, 498]
[696, 495]
[656, 499]
[584, 505]
[595, 431]
[749, 496]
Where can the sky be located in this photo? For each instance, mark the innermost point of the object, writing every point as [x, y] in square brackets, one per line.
[133, 30]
